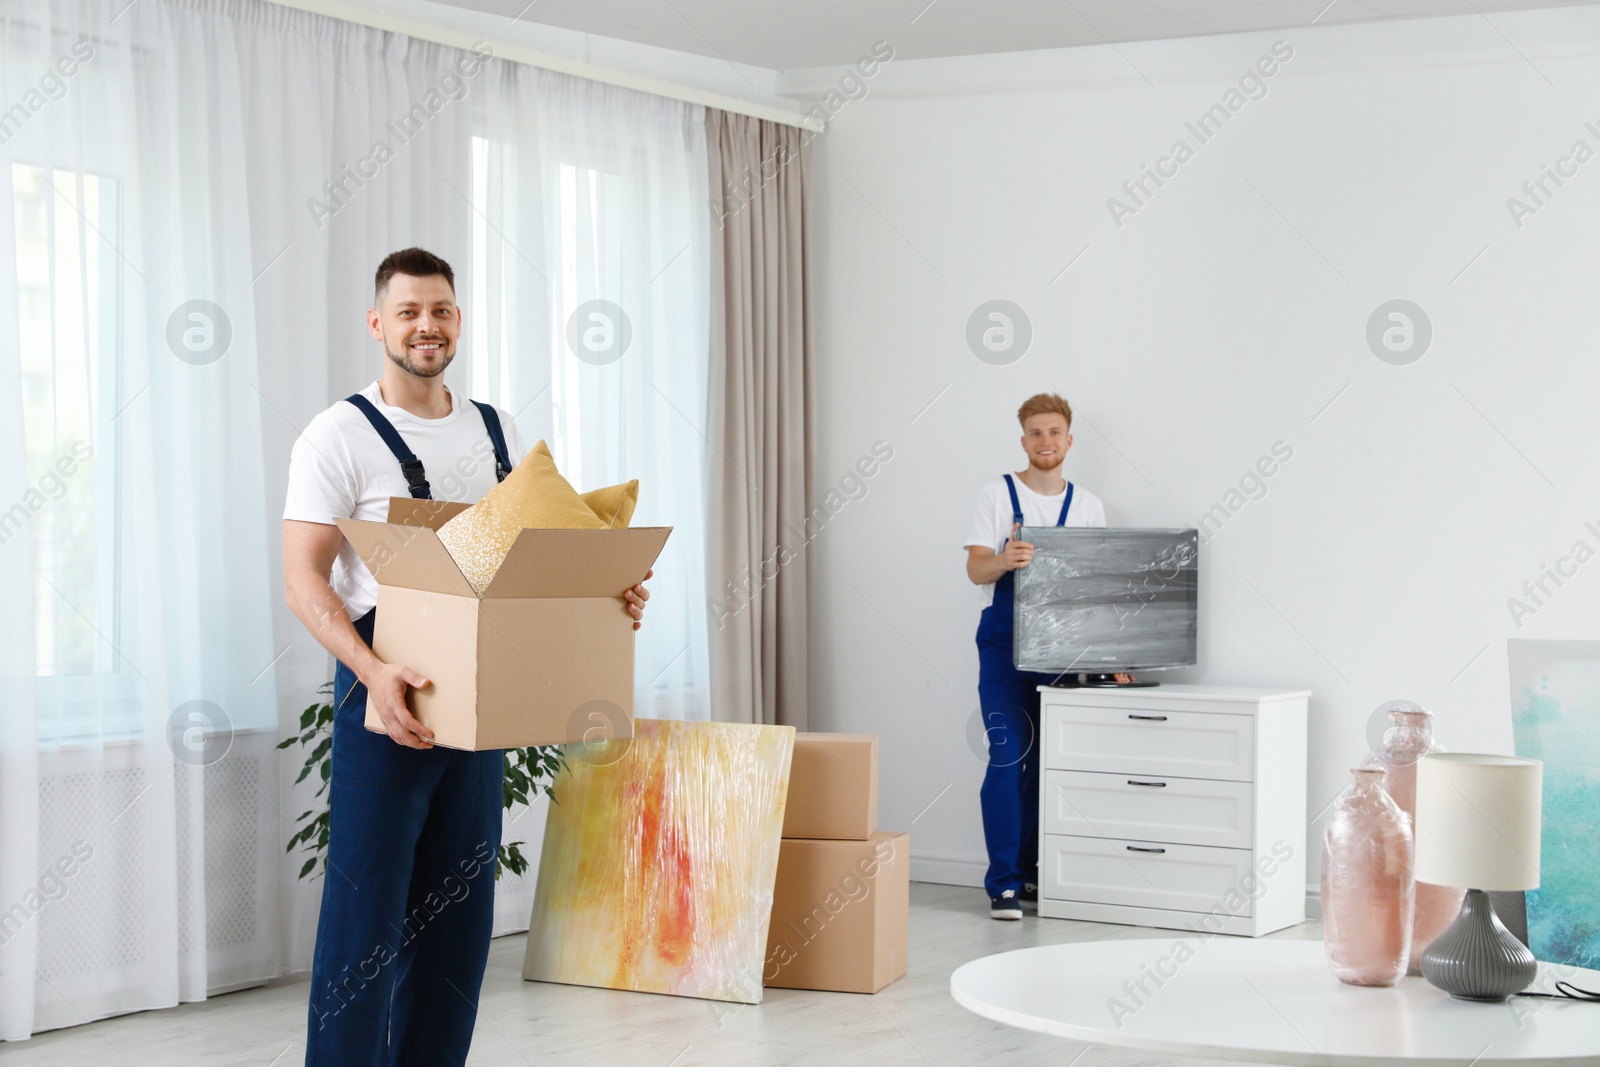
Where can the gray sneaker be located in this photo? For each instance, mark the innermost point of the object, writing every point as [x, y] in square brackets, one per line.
[1005, 906]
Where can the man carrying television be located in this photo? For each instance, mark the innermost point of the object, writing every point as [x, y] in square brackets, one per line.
[1037, 496]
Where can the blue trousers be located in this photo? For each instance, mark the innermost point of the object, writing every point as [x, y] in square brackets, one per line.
[1009, 701]
[408, 898]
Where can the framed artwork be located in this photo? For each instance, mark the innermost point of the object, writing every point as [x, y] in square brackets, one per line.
[1555, 717]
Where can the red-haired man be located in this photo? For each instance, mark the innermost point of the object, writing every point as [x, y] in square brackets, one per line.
[1038, 496]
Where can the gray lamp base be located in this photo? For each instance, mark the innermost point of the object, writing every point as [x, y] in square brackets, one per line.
[1477, 958]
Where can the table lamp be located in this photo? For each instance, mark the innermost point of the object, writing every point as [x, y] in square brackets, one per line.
[1477, 828]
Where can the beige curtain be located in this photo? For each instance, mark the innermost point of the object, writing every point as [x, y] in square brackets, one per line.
[762, 416]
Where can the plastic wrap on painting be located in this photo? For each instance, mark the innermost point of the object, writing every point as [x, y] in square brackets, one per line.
[1098, 599]
[659, 858]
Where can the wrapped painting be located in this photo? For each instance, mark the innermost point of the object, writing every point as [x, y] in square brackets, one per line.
[659, 859]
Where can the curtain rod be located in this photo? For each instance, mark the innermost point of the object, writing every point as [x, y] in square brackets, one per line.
[544, 60]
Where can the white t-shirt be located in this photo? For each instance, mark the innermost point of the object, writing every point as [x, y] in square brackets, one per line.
[340, 468]
[991, 516]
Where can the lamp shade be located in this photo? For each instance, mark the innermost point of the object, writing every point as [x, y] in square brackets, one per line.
[1477, 823]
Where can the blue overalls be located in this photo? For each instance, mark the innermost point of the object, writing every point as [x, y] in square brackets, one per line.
[408, 898]
[1010, 706]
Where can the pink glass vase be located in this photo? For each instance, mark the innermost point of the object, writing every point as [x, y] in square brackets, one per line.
[1408, 739]
[1367, 886]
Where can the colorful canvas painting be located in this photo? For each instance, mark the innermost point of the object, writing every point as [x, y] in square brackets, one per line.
[659, 858]
[1555, 716]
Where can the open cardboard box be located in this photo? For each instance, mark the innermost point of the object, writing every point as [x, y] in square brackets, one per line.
[544, 656]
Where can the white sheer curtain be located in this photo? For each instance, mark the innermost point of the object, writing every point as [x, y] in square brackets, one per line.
[193, 198]
[591, 319]
[584, 193]
[140, 708]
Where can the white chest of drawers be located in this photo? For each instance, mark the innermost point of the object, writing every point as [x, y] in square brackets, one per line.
[1182, 806]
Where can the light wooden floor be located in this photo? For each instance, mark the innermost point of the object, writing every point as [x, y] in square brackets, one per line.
[525, 1023]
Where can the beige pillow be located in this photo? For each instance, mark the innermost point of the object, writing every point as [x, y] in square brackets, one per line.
[614, 504]
[535, 495]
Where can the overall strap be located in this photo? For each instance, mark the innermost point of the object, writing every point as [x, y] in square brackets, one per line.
[1065, 504]
[491, 422]
[1016, 505]
[410, 465]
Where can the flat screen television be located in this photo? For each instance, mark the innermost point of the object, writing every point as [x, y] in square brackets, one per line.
[1098, 601]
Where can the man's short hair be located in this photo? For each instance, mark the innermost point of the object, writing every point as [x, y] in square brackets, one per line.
[417, 262]
[1044, 404]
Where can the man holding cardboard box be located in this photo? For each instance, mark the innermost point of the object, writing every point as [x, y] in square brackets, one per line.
[407, 904]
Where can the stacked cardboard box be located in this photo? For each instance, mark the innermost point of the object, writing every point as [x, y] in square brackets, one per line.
[841, 903]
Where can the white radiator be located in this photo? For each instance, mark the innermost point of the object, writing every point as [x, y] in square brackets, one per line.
[97, 932]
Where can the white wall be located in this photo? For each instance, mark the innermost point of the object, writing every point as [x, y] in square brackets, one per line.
[1223, 317]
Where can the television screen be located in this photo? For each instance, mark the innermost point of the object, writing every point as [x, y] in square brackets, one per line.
[1103, 600]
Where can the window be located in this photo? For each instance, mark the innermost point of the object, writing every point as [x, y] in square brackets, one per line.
[583, 402]
[587, 319]
[591, 269]
[67, 282]
[490, 335]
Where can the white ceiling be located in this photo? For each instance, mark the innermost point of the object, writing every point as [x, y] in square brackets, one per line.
[794, 34]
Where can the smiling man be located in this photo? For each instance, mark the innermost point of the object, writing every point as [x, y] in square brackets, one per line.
[1038, 496]
[408, 897]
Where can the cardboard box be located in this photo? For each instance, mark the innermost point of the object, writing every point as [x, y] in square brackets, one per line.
[840, 914]
[544, 656]
[833, 787]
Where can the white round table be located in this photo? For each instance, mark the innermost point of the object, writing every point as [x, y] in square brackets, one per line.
[1268, 1002]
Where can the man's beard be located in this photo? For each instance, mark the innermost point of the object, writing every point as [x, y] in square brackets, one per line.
[406, 363]
[1048, 465]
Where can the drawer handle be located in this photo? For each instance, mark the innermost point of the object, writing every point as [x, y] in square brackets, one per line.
[1158, 785]
[1149, 718]
[1136, 848]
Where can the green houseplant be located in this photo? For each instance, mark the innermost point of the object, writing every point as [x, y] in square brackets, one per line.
[528, 773]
